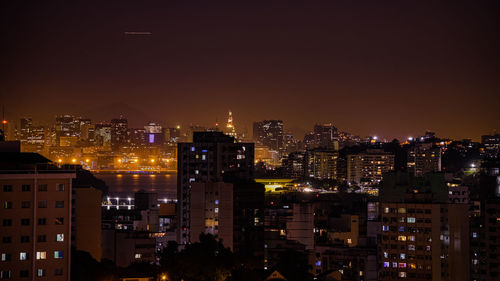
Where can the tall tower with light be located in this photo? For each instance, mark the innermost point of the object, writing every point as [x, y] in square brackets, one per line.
[230, 129]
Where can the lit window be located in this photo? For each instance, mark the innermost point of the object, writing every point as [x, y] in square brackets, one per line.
[401, 238]
[411, 238]
[192, 148]
[216, 210]
[411, 247]
[386, 210]
[402, 274]
[5, 257]
[386, 264]
[23, 256]
[385, 228]
[395, 264]
[402, 265]
[216, 202]
[386, 254]
[41, 255]
[402, 256]
[412, 266]
[60, 237]
[138, 256]
[402, 210]
[58, 254]
[203, 157]
[401, 229]
[474, 234]
[349, 241]
[428, 248]
[40, 272]
[410, 220]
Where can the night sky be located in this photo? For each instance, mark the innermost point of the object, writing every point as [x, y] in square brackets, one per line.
[393, 69]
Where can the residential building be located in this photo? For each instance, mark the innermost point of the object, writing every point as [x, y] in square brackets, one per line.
[35, 217]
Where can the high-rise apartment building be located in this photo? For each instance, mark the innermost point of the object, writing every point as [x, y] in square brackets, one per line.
[35, 218]
[211, 211]
[491, 144]
[269, 133]
[322, 164]
[423, 237]
[211, 157]
[424, 159]
[369, 166]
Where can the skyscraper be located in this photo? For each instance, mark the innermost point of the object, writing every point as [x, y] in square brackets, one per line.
[269, 133]
[119, 128]
[211, 157]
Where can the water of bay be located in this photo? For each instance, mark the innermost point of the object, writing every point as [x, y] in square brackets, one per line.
[125, 185]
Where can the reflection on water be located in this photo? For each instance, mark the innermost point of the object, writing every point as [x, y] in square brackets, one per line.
[125, 185]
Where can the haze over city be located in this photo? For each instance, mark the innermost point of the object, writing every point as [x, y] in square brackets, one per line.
[392, 70]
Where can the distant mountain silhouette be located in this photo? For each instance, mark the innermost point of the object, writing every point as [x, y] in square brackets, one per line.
[106, 112]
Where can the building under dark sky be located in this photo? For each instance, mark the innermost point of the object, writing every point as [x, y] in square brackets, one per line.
[391, 69]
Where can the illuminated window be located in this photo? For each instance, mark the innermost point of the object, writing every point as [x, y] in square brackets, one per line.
[349, 241]
[216, 210]
[386, 210]
[428, 248]
[402, 274]
[58, 254]
[411, 247]
[385, 228]
[412, 266]
[395, 264]
[216, 202]
[401, 229]
[41, 255]
[410, 220]
[5, 257]
[402, 265]
[138, 256]
[402, 256]
[401, 238]
[386, 255]
[23, 256]
[411, 238]
[40, 272]
[203, 157]
[402, 210]
[386, 264]
[60, 237]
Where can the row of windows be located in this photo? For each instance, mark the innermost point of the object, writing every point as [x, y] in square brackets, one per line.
[7, 274]
[26, 221]
[405, 265]
[388, 210]
[23, 256]
[27, 187]
[40, 238]
[408, 219]
[27, 204]
[411, 247]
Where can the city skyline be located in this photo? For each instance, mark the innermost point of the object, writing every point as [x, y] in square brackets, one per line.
[392, 72]
[246, 131]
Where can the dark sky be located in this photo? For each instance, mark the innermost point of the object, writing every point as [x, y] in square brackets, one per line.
[393, 69]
